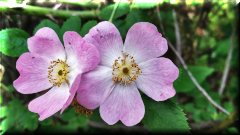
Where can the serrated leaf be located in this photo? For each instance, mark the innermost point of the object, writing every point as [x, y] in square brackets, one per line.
[86, 27]
[185, 84]
[164, 117]
[145, 5]
[135, 16]
[47, 23]
[122, 9]
[72, 24]
[13, 42]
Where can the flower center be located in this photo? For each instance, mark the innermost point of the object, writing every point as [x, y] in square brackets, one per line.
[125, 70]
[57, 72]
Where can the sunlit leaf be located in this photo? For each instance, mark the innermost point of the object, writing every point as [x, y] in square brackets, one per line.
[135, 16]
[86, 27]
[72, 24]
[47, 23]
[122, 9]
[13, 42]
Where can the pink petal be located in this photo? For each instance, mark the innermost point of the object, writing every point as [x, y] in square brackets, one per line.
[95, 87]
[33, 70]
[106, 37]
[46, 43]
[157, 78]
[144, 42]
[125, 104]
[80, 54]
[51, 102]
[72, 91]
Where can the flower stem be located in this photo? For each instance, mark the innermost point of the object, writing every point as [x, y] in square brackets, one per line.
[114, 10]
[43, 11]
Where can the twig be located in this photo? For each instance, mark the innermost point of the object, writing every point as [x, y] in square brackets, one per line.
[186, 69]
[229, 57]
[178, 37]
[227, 66]
[43, 11]
[114, 10]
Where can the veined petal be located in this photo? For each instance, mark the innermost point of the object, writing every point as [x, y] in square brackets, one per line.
[33, 70]
[51, 102]
[144, 42]
[95, 87]
[106, 37]
[46, 43]
[157, 78]
[74, 84]
[81, 55]
[125, 104]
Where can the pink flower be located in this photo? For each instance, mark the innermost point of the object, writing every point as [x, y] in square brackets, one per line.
[49, 65]
[123, 69]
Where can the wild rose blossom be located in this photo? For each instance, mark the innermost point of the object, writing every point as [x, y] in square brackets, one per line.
[113, 84]
[49, 66]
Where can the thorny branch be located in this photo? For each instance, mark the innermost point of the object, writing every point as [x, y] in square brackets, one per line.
[185, 67]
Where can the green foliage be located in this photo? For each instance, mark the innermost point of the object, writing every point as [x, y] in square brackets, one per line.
[164, 116]
[72, 24]
[86, 27]
[145, 5]
[120, 24]
[13, 42]
[16, 113]
[122, 9]
[223, 47]
[135, 16]
[74, 119]
[47, 23]
[184, 83]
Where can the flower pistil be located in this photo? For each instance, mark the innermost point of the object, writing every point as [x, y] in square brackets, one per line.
[57, 72]
[125, 70]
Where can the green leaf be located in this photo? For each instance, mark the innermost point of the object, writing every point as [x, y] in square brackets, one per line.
[7, 124]
[201, 101]
[223, 47]
[47, 23]
[31, 124]
[0, 99]
[120, 24]
[145, 5]
[47, 121]
[13, 42]
[197, 116]
[3, 111]
[68, 114]
[228, 106]
[72, 24]
[185, 84]
[135, 16]
[122, 9]
[86, 27]
[189, 107]
[164, 116]
[205, 115]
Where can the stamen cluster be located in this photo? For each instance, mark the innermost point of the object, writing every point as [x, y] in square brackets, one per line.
[125, 70]
[57, 72]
